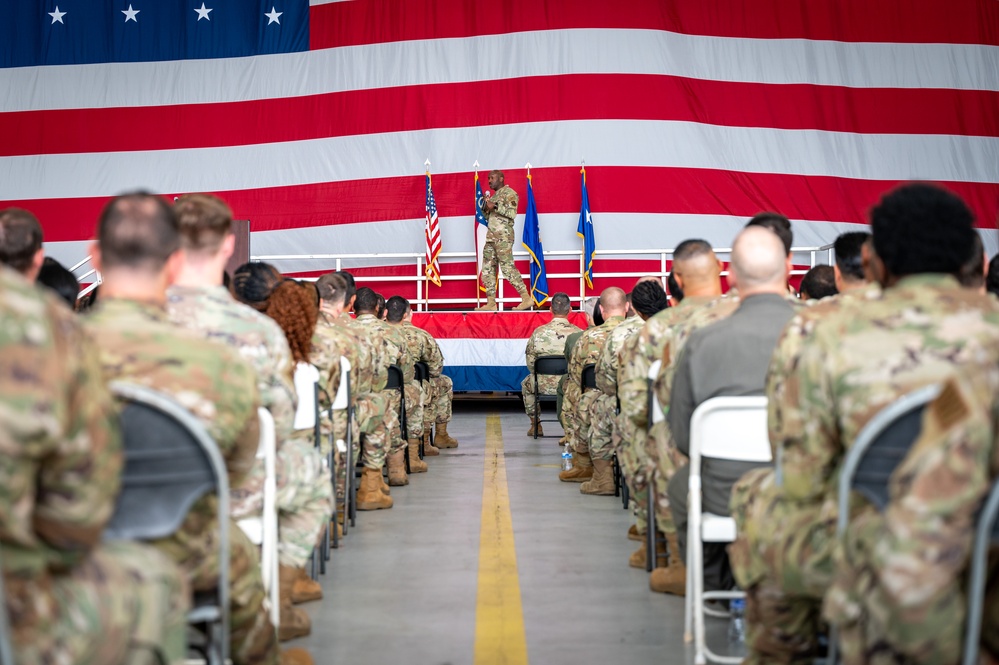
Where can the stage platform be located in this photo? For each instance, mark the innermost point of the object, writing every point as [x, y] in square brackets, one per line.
[484, 351]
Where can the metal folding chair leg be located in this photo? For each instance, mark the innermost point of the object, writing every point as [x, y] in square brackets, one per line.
[650, 532]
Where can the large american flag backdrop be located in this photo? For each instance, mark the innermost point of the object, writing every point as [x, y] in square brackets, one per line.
[314, 120]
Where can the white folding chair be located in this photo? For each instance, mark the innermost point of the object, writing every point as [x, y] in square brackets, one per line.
[655, 416]
[306, 387]
[263, 529]
[730, 428]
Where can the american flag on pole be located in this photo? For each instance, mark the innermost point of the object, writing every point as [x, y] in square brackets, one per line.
[481, 230]
[433, 233]
[307, 117]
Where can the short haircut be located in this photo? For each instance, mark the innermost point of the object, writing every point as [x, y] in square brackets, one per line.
[848, 254]
[922, 228]
[561, 304]
[396, 308]
[253, 283]
[819, 282]
[332, 287]
[20, 238]
[972, 272]
[757, 258]
[598, 317]
[55, 276]
[137, 230]
[366, 301]
[351, 286]
[205, 220]
[590, 305]
[674, 288]
[992, 279]
[688, 249]
[777, 223]
[647, 298]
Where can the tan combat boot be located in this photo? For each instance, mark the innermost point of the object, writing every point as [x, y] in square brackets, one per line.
[635, 534]
[602, 482]
[416, 465]
[305, 589]
[293, 622]
[445, 440]
[535, 427]
[526, 302]
[490, 305]
[369, 494]
[582, 469]
[296, 656]
[639, 557]
[563, 440]
[429, 449]
[673, 578]
[397, 469]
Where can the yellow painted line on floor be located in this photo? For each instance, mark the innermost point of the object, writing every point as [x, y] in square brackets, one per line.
[499, 616]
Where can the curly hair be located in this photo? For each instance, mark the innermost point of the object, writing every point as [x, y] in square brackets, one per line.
[293, 306]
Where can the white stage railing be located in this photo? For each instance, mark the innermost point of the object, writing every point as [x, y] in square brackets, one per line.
[801, 256]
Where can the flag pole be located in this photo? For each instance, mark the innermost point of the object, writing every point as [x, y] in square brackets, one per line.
[426, 297]
[475, 218]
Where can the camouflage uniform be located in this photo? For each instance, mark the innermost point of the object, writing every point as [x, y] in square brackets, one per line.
[834, 374]
[604, 425]
[439, 391]
[499, 243]
[393, 352]
[546, 340]
[570, 344]
[139, 344]
[577, 405]
[303, 486]
[898, 594]
[69, 598]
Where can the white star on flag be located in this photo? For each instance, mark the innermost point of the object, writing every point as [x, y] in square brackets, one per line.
[202, 13]
[273, 16]
[130, 14]
[57, 16]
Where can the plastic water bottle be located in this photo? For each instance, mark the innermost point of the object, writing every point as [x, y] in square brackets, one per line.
[737, 621]
[566, 460]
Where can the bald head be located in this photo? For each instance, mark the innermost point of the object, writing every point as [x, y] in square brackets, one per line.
[696, 269]
[613, 302]
[759, 262]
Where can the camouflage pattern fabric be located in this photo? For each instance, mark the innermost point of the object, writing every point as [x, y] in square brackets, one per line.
[69, 598]
[304, 494]
[576, 405]
[439, 390]
[604, 426]
[842, 369]
[138, 343]
[498, 249]
[392, 351]
[546, 340]
[570, 344]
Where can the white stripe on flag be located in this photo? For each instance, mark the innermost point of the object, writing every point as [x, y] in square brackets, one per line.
[485, 352]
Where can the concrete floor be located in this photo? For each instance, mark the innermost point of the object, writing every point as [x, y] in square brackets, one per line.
[402, 586]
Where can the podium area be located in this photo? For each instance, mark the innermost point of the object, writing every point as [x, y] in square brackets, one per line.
[488, 558]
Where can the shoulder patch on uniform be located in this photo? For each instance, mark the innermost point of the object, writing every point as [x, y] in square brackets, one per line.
[950, 407]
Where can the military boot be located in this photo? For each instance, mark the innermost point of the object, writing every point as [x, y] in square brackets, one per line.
[445, 440]
[305, 589]
[535, 427]
[526, 301]
[416, 465]
[294, 622]
[429, 449]
[397, 469]
[369, 494]
[640, 556]
[490, 305]
[673, 578]
[602, 482]
[635, 534]
[582, 469]
[296, 656]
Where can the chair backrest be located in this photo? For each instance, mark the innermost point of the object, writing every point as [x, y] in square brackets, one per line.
[395, 377]
[551, 365]
[879, 448]
[306, 387]
[170, 462]
[589, 381]
[656, 414]
[731, 428]
[342, 398]
[422, 371]
[6, 649]
[986, 534]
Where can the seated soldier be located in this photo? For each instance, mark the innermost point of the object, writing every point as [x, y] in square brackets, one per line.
[546, 340]
[69, 597]
[139, 256]
[417, 399]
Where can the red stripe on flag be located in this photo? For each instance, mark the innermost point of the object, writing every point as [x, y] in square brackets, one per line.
[534, 99]
[917, 21]
[612, 190]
